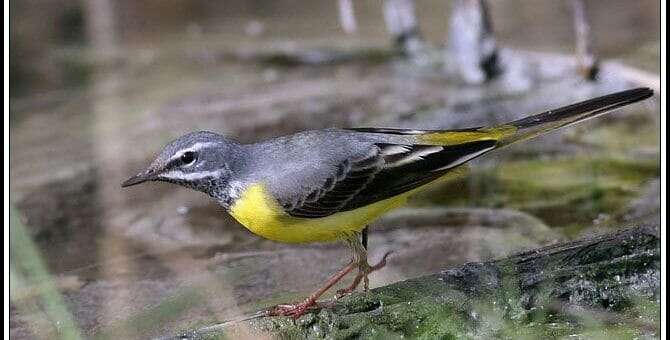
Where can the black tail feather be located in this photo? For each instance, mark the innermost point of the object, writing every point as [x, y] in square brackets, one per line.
[536, 125]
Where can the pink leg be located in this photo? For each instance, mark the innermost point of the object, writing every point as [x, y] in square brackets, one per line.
[296, 310]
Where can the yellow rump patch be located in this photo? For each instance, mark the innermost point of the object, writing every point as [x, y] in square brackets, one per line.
[460, 137]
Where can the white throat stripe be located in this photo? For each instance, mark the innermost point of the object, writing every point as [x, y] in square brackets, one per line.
[178, 175]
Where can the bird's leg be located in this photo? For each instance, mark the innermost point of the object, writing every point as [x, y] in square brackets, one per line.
[296, 310]
[359, 261]
[359, 248]
[364, 237]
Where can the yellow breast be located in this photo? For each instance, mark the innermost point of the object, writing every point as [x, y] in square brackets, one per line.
[260, 213]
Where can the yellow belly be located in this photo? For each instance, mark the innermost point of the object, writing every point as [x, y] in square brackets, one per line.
[259, 212]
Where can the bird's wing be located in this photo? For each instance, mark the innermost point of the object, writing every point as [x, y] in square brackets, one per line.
[386, 171]
[329, 196]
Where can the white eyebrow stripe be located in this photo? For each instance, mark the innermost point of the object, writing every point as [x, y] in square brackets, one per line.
[200, 145]
[193, 148]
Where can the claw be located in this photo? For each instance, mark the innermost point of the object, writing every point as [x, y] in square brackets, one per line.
[343, 292]
[293, 311]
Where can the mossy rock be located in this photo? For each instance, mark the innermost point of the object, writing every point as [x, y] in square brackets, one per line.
[608, 285]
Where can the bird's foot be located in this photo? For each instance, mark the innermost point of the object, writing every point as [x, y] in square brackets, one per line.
[363, 271]
[292, 310]
[297, 310]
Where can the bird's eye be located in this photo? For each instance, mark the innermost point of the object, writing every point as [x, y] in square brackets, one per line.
[188, 157]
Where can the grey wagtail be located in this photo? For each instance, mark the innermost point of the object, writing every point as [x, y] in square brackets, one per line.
[330, 184]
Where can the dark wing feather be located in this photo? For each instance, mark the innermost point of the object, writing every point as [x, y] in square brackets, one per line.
[351, 177]
[399, 177]
[391, 170]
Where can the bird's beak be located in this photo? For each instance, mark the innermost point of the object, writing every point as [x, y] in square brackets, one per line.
[139, 178]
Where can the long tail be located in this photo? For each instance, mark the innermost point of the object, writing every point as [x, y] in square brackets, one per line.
[542, 123]
[529, 127]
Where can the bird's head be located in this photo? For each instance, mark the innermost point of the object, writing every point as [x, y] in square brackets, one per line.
[198, 160]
